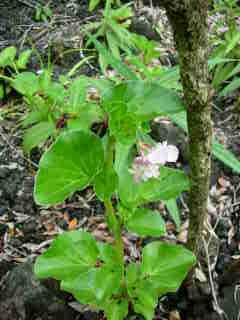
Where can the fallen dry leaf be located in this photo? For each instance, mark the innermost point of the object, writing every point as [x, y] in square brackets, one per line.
[182, 236]
[174, 315]
[223, 182]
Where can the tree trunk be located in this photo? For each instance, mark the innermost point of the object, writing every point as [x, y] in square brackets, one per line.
[189, 22]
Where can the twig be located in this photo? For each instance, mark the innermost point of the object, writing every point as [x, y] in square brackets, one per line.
[227, 119]
[25, 36]
[218, 309]
[27, 3]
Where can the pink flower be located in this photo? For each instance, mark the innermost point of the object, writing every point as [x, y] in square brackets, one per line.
[143, 170]
[147, 166]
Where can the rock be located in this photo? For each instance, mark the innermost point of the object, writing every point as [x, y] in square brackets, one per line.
[230, 302]
[223, 228]
[90, 315]
[193, 292]
[222, 261]
[205, 288]
[29, 227]
[142, 26]
[231, 275]
[23, 297]
[5, 266]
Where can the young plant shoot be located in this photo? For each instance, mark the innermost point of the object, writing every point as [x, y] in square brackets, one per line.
[127, 170]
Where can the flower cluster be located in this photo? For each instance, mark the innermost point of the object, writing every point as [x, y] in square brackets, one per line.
[147, 165]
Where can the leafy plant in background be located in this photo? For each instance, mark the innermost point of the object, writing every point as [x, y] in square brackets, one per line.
[94, 3]
[227, 48]
[55, 106]
[170, 80]
[126, 173]
[11, 65]
[113, 28]
[43, 13]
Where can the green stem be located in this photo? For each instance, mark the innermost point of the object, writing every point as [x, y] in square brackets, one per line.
[78, 65]
[107, 7]
[112, 220]
[6, 78]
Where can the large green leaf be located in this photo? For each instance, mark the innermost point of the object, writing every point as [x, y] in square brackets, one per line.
[69, 165]
[227, 157]
[233, 40]
[123, 124]
[93, 4]
[71, 253]
[108, 253]
[7, 57]
[116, 309]
[55, 92]
[39, 111]
[173, 210]
[145, 99]
[94, 285]
[145, 299]
[143, 294]
[89, 287]
[82, 286]
[218, 150]
[113, 44]
[232, 86]
[81, 264]
[24, 58]
[77, 93]
[26, 83]
[163, 268]
[88, 114]
[170, 183]
[146, 222]
[37, 134]
[165, 265]
[105, 183]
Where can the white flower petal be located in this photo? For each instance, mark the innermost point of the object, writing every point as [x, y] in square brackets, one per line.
[172, 153]
[151, 171]
[158, 155]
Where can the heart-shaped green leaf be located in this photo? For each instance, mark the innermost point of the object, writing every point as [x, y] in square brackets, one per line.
[105, 183]
[163, 268]
[146, 222]
[26, 83]
[143, 294]
[165, 265]
[95, 285]
[173, 210]
[71, 253]
[37, 134]
[70, 164]
[116, 309]
[145, 99]
[7, 57]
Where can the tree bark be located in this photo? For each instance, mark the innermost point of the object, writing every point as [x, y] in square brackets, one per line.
[189, 22]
